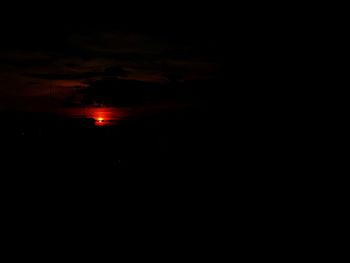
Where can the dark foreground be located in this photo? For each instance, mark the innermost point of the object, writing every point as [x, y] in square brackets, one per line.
[174, 172]
[50, 144]
[150, 159]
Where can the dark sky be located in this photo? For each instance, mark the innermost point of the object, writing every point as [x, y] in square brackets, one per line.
[40, 53]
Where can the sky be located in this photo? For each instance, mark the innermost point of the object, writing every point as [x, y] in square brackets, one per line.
[51, 55]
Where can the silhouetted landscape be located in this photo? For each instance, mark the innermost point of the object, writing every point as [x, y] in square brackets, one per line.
[108, 96]
[151, 125]
[178, 121]
[108, 92]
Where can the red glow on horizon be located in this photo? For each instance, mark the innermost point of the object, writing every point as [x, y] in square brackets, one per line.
[102, 116]
[100, 121]
[105, 116]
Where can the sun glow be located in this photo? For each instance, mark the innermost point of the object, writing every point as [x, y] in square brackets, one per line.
[101, 119]
[102, 116]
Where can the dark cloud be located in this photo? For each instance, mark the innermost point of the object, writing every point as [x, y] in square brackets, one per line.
[25, 63]
[121, 92]
[115, 71]
[62, 53]
[108, 72]
[69, 76]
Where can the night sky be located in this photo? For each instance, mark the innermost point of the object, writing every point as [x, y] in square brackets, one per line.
[55, 55]
[161, 88]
